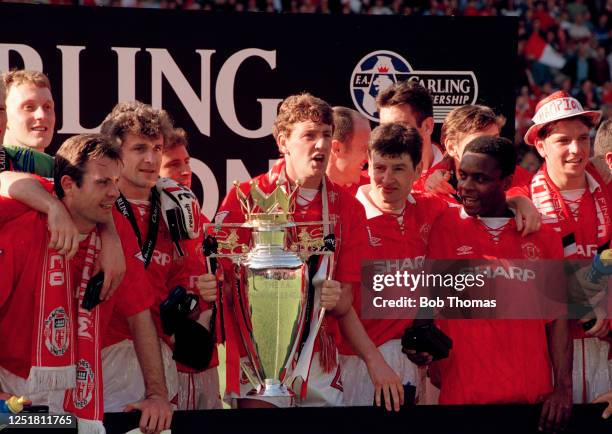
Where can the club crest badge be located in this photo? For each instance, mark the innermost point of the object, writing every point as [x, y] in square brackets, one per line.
[57, 332]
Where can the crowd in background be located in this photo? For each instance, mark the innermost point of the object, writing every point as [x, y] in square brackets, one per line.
[562, 44]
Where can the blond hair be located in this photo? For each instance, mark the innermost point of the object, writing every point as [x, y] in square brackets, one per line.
[17, 77]
[469, 119]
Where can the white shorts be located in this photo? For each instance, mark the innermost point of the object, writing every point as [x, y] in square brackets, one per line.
[358, 387]
[199, 391]
[324, 389]
[17, 386]
[123, 381]
[596, 371]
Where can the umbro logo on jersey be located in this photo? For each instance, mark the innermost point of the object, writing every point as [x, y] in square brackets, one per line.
[464, 250]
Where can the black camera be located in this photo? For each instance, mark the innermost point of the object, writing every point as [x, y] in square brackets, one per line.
[427, 338]
[193, 343]
[91, 298]
[176, 307]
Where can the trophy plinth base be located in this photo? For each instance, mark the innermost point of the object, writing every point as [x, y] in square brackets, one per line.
[273, 388]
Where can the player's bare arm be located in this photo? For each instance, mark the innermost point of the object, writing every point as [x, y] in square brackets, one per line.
[557, 406]
[156, 409]
[386, 381]
[528, 218]
[25, 188]
[64, 235]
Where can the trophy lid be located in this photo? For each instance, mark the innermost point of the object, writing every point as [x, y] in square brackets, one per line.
[266, 210]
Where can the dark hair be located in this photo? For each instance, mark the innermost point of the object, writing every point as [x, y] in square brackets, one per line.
[176, 139]
[545, 129]
[74, 154]
[500, 148]
[410, 93]
[394, 140]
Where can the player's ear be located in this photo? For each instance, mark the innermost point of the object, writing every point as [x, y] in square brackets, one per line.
[336, 147]
[539, 145]
[608, 158]
[68, 185]
[281, 141]
[428, 126]
[450, 144]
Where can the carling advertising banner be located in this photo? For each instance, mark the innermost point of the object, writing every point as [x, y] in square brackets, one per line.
[222, 75]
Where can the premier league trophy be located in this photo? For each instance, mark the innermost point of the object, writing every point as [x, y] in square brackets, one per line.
[271, 294]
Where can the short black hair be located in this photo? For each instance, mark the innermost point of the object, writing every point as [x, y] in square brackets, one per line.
[411, 93]
[500, 148]
[393, 140]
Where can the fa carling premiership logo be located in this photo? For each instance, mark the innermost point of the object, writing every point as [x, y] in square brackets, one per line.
[380, 69]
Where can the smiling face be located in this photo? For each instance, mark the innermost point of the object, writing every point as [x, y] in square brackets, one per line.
[391, 179]
[142, 158]
[30, 116]
[93, 201]
[306, 150]
[481, 186]
[175, 165]
[566, 150]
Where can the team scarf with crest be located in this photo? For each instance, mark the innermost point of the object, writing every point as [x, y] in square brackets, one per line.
[555, 211]
[66, 349]
[324, 264]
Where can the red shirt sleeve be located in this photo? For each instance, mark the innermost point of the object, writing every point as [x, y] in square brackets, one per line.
[11, 208]
[7, 264]
[354, 244]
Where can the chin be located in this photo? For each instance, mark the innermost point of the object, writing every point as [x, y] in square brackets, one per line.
[472, 212]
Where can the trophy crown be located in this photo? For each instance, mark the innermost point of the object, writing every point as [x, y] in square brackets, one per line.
[259, 207]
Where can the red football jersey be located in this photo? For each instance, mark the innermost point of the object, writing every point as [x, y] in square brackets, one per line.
[396, 239]
[20, 239]
[166, 270]
[493, 361]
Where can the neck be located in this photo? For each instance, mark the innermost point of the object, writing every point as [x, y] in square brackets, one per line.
[501, 211]
[427, 155]
[386, 207]
[564, 182]
[341, 177]
[83, 225]
[133, 192]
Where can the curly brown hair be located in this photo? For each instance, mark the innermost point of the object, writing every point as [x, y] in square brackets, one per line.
[300, 108]
[137, 118]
